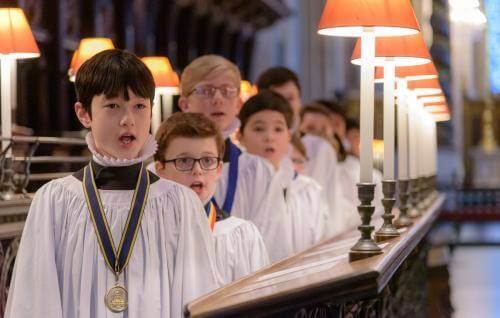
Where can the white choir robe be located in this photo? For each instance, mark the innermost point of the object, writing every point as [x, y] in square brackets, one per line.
[308, 209]
[239, 248]
[259, 199]
[349, 171]
[322, 166]
[60, 270]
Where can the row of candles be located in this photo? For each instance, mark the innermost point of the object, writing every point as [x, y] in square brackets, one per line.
[391, 50]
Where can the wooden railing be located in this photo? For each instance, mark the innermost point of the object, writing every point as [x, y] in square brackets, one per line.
[321, 282]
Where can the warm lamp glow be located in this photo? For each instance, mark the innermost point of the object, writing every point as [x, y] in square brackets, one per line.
[436, 108]
[15, 32]
[88, 47]
[350, 18]
[441, 116]
[402, 51]
[425, 87]
[247, 90]
[163, 74]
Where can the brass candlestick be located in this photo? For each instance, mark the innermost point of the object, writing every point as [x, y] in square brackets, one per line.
[366, 246]
[413, 210]
[6, 175]
[403, 220]
[421, 203]
[387, 231]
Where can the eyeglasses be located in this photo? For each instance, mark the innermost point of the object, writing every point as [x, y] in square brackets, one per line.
[187, 164]
[208, 91]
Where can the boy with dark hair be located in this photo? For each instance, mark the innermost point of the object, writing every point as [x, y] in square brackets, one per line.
[69, 262]
[322, 157]
[190, 153]
[266, 119]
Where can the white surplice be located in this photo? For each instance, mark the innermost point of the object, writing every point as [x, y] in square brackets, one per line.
[322, 166]
[60, 270]
[239, 248]
[259, 199]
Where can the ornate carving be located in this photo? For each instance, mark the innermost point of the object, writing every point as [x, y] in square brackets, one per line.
[8, 251]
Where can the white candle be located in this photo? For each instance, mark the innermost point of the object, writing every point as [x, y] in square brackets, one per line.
[389, 77]
[367, 105]
[402, 131]
[6, 103]
[412, 136]
[156, 112]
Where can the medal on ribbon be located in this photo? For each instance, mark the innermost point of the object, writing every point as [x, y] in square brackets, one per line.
[116, 259]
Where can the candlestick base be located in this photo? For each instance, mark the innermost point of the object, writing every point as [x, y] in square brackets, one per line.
[387, 231]
[6, 185]
[366, 246]
[422, 204]
[403, 220]
[413, 210]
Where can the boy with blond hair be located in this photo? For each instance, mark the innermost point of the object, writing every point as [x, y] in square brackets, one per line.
[210, 85]
[190, 150]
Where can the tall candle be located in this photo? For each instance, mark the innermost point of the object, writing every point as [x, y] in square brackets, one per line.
[6, 103]
[389, 77]
[412, 136]
[367, 105]
[402, 131]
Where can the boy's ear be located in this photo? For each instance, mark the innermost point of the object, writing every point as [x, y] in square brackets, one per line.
[183, 104]
[158, 166]
[238, 135]
[82, 114]
[240, 104]
[289, 135]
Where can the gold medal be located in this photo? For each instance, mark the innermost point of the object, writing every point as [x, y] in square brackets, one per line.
[117, 299]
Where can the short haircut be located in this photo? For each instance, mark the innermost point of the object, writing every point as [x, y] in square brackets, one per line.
[351, 124]
[333, 107]
[299, 145]
[113, 72]
[315, 107]
[265, 100]
[203, 66]
[277, 76]
[188, 125]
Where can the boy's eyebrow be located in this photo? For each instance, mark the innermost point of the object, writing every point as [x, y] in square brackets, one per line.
[191, 154]
[260, 121]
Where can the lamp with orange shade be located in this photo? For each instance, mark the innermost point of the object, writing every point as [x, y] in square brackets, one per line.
[367, 20]
[87, 48]
[17, 43]
[432, 98]
[425, 87]
[167, 85]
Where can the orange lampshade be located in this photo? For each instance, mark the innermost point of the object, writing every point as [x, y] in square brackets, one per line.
[441, 116]
[164, 75]
[15, 33]
[88, 47]
[401, 50]
[385, 17]
[433, 99]
[410, 73]
[425, 87]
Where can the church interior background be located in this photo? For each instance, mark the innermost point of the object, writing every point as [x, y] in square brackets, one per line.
[461, 248]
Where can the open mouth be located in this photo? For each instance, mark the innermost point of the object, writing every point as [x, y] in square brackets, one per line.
[197, 186]
[126, 139]
[269, 150]
[217, 114]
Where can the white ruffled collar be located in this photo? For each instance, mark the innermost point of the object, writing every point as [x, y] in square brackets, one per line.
[147, 151]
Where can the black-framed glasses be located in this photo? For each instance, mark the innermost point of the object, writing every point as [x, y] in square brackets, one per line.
[208, 91]
[187, 163]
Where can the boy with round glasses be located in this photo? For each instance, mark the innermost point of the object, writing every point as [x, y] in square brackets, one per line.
[210, 86]
[190, 148]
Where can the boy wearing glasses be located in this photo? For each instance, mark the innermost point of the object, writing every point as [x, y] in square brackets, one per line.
[190, 150]
[266, 119]
[210, 85]
[113, 240]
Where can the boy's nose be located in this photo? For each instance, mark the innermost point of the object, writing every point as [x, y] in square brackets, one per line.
[127, 119]
[197, 168]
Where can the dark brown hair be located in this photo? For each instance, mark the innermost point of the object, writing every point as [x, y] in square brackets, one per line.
[113, 72]
[277, 76]
[299, 145]
[265, 100]
[314, 108]
[189, 125]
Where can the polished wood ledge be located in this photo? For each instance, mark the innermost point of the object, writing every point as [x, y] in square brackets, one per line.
[316, 275]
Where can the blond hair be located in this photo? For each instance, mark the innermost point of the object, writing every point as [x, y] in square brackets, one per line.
[203, 66]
